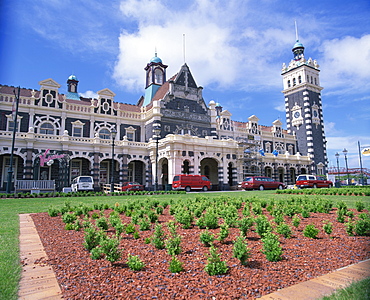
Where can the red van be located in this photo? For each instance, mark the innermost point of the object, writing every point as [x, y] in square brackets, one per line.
[191, 182]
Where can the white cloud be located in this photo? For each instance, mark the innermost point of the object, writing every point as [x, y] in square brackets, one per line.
[219, 51]
[89, 94]
[347, 62]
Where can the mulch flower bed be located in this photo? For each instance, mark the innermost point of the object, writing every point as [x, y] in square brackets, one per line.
[81, 277]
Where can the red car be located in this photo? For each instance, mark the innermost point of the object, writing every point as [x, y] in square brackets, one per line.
[313, 181]
[261, 183]
[132, 186]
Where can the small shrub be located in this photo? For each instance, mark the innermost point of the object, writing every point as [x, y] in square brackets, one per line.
[94, 215]
[69, 226]
[158, 237]
[328, 227]
[96, 253]
[305, 213]
[102, 223]
[53, 212]
[245, 224]
[340, 215]
[285, 230]
[211, 219]
[224, 233]
[109, 247]
[296, 221]
[362, 227]
[311, 231]
[215, 265]
[349, 228]
[263, 226]
[176, 266]
[135, 263]
[173, 245]
[360, 206]
[271, 246]
[144, 224]
[240, 250]
[206, 238]
[130, 228]
[92, 238]
[69, 218]
[136, 235]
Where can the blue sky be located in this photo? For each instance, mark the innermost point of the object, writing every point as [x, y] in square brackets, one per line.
[235, 50]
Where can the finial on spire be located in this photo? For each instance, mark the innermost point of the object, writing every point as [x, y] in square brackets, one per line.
[296, 31]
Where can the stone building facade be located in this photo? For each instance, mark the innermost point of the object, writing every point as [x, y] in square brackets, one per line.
[61, 136]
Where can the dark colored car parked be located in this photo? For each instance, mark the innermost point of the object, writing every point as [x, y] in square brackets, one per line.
[132, 186]
[261, 183]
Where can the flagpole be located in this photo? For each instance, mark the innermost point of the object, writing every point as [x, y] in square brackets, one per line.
[359, 155]
[10, 171]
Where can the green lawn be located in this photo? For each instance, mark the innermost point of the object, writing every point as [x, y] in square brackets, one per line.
[9, 223]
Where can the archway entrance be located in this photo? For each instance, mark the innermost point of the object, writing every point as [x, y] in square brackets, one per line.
[268, 172]
[136, 172]
[209, 168]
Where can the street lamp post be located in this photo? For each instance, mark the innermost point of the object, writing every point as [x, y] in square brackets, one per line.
[113, 135]
[345, 151]
[337, 156]
[157, 132]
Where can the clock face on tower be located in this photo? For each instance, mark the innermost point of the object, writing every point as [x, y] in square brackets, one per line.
[296, 114]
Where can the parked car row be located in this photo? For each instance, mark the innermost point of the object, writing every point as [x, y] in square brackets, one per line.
[201, 182]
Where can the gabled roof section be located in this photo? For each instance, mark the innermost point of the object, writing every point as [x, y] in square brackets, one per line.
[49, 84]
[185, 78]
[107, 93]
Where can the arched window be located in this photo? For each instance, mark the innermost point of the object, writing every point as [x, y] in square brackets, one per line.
[47, 128]
[315, 81]
[294, 82]
[299, 79]
[104, 134]
[158, 74]
[288, 83]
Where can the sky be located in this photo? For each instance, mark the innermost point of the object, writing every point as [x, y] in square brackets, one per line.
[235, 50]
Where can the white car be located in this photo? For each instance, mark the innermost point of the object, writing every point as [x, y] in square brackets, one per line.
[82, 183]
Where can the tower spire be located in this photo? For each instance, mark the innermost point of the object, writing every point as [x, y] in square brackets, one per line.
[296, 31]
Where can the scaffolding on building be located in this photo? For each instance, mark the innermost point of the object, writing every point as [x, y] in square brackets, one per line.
[251, 159]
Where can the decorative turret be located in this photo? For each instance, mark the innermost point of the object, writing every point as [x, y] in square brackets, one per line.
[155, 77]
[72, 88]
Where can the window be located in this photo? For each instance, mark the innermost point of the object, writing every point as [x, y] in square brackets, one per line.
[105, 106]
[158, 74]
[130, 136]
[294, 82]
[47, 128]
[49, 98]
[288, 83]
[77, 131]
[77, 127]
[299, 79]
[104, 134]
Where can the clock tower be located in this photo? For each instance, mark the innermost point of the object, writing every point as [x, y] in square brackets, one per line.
[303, 107]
